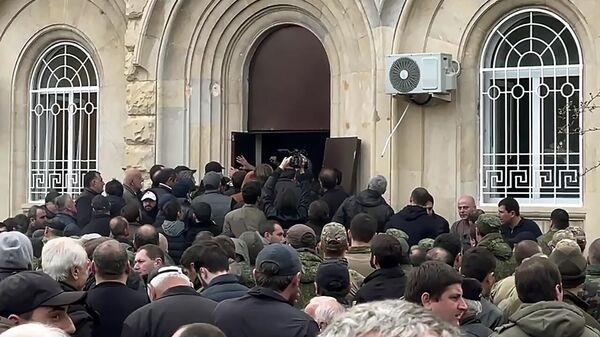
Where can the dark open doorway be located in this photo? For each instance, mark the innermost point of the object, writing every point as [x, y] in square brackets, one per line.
[260, 147]
[289, 99]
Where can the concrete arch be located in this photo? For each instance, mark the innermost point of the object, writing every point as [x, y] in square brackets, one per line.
[22, 43]
[202, 52]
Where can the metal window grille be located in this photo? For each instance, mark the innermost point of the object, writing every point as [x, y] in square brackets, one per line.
[530, 87]
[62, 120]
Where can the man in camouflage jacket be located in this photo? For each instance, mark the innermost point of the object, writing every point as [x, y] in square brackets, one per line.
[304, 240]
[591, 287]
[489, 236]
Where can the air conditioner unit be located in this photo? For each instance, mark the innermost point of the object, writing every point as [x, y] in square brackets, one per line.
[431, 73]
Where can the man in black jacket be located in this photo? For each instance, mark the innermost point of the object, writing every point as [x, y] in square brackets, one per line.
[277, 275]
[369, 201]
[93, 185]
[218, 284]
[286, 206]
[414, 220]
[388, 281]
[334, 195]
[99, 223]
[174, 301]
[111, 298]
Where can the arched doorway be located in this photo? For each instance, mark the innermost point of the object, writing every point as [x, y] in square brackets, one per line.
[289, 97]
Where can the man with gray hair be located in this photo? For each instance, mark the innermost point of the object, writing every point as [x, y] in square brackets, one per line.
[34, 330]
[368, 201]
[65, 260]
[389, 318]
[323, 309]
[174, 300]
[67, 214]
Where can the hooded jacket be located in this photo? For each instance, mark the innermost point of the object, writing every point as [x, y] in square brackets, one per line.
[415, 222]
[174, 231]
[505, 262]
[286, 206]
[547, 318]
[367, 201]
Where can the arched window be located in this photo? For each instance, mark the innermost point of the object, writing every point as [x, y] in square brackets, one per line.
[62, 120]
[530, 83]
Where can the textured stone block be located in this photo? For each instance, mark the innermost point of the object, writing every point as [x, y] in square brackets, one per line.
[141, 98]
[140, 130]
[141, 156]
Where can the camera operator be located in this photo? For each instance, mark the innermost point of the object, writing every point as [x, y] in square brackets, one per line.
[289, 204]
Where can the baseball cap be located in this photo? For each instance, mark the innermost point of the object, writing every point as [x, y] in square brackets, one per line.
[283, 256]
[100, 203]
[212, 179]
[213, 166]
[16, 251]
[334, 237]
[181, 168]
[25, 291]
[301, 236]
[149, 195]
[333, 276]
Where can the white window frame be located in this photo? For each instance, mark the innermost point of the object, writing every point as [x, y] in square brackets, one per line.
[493, 173]
[42, 160]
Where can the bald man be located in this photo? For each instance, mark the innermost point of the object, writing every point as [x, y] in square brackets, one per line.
[132, 186]
[465, 205]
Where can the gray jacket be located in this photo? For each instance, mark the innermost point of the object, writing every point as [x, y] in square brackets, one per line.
[220, 205]
[243, 220]
[130, 196]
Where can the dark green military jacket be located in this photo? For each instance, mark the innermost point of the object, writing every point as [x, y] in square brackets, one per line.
[505, 262]
[310, 262]
[591, 290]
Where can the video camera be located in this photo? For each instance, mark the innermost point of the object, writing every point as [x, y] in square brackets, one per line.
[298, 158]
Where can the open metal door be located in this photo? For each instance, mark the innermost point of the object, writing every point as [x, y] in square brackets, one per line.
[243, 144]
[343, 154]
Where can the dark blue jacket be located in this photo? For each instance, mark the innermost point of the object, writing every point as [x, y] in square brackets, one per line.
[263, 312]
[224, 287]
[71, 227]
[526, 229]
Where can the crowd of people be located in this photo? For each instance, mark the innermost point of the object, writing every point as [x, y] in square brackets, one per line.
[271, 251]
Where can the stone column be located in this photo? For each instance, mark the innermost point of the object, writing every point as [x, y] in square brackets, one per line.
[139, 130]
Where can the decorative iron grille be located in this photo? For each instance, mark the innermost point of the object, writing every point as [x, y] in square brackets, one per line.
[530, 87]
[62, 121]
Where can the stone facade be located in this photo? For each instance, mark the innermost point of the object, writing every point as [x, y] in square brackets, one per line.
[173, 83]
